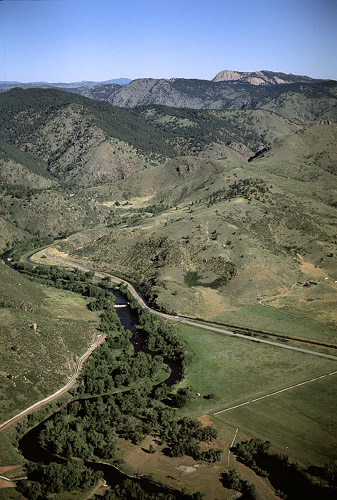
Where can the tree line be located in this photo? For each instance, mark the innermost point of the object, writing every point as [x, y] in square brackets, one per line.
[87, 428]
[288, 478]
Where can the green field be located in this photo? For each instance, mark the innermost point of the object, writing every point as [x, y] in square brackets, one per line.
[36, 361]
[300, 423]
[236, 370]
[281, 322]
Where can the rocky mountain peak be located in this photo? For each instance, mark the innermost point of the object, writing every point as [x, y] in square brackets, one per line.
[259, 77]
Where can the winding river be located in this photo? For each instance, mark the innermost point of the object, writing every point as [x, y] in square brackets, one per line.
[29, 445]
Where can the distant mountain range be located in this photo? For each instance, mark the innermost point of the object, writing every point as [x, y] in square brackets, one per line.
[62, 85]
[294, 97]
[263, 77]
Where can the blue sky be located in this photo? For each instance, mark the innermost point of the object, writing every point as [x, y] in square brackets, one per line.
[73, 40]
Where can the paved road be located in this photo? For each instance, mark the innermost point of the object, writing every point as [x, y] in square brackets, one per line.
[57, 394]
[172, 317]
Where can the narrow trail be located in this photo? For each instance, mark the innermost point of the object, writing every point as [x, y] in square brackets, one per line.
[57, 394]
[231, 446]
[274, 297]
[95, 489]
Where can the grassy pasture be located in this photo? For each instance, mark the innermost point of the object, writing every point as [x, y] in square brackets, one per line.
[37, 362]
[318, 303]
[280, 321]
[237, 370]
[178, 473]
[300, 422]
[40, 258]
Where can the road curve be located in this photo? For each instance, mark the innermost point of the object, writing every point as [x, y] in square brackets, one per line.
[173, 317]
[57, 394]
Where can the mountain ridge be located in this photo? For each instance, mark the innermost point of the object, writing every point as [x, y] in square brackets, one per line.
[263, 77]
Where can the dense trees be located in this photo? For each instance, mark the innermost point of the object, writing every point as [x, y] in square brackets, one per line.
[132, 490]
[162, 338]
[330, 472]
[88, 428]
[233, 480]
[184, 436]
[247, 450]
[287, 477]
[44, 480]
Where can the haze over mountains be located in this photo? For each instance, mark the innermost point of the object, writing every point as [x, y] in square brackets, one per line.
[62, 85]
[227, 90]
[277, 92]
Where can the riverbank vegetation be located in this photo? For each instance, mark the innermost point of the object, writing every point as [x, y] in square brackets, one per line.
[287, 477]
[38, 322]
[78, 430]
[44, 480]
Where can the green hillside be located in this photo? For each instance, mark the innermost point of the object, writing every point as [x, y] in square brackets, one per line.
[63, 157]
[64, 330]
[226, 215]
[216, 236]
[166, 196]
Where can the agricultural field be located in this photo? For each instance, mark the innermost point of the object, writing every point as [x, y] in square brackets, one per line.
[299, 421]
[280, 321]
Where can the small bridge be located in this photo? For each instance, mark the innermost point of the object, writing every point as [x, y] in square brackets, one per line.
[117, 306]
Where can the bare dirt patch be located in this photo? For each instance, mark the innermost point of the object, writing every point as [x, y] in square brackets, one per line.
[205, 420]
[6, 484]
[187, 468]
[9, 471]
[309, 268]
[213, 303]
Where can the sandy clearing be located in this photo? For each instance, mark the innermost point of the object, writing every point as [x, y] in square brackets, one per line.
[205, 420]
[6, 484]
[309, 268]
[187, 469]
[8, 468]
[54, 252]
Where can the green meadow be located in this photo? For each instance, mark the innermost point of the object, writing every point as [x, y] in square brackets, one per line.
[298, 421]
